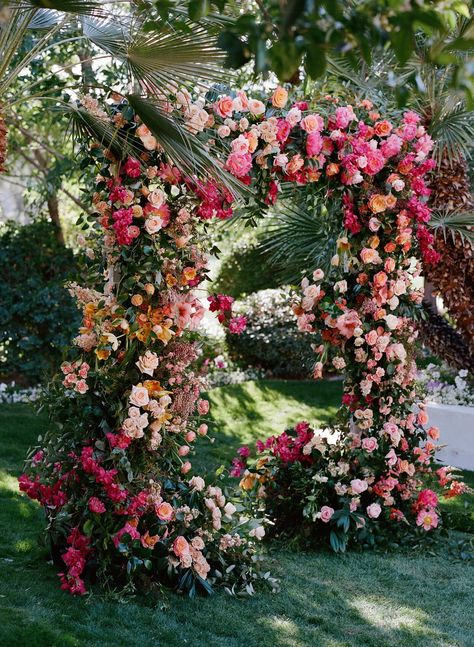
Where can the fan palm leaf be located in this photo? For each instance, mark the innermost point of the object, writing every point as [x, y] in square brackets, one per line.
[457, 224]
[301, 239]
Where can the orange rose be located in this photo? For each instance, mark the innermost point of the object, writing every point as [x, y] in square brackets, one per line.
[332, 169]
[149, 541]
[382, 128]
[137, 300]
[391, 201]
[390, 247]
[380, 279]
[377, 203]
[248, 481]
[374, 242]
[280, 97]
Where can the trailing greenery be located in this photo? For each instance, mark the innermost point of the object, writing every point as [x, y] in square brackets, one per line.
[37, 315]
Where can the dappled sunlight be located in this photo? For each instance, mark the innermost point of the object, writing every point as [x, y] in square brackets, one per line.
[8, 482]
[23, 546]
[385, 614]
[285, 631]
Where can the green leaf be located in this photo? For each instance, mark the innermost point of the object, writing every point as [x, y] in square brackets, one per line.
[197, 9]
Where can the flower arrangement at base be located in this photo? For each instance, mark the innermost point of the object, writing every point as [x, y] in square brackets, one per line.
[115, 476]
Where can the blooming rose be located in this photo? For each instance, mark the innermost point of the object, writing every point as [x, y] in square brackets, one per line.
[326, 513]
[396, 351]
[370, 444]
[164, 511]
[377, 203]
[153, 224]
[148, 362]
[81, 386]
[369, 255]
[180, 546]
[312, 123]
[223, 131]
[391, 321]
[279, 97]
[347, 322]
[229, 509]
[239, 165]
[318, 275]
[256, 107]
[314, 144]
[358, 486]
[197, 483]
[225, 106]
[139, 396]
[428, 519]
[374, 510]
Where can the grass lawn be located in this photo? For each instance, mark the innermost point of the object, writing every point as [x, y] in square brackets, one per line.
[354, 600]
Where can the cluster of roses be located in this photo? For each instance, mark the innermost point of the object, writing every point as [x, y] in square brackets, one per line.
[117, 467]
[75, 376]
[266, 144]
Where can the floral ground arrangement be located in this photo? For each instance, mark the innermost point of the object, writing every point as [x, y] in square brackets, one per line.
[326, 599]
[120, 505]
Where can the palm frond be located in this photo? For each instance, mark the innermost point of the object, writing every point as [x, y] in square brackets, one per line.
[160, 57]
[85, 125]
[182, 147]
[301, 240]
[79, 7]
[453, 132]
[457, 224]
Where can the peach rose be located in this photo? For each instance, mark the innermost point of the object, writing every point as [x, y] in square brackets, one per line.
[225, 106]
[180, 546]
[256, 107]
[153, 224]
[312, 123]
[380, 279]
[347, 322]
[377, 203]
[369, 255]
[382, 128]
[156, 198]
[148, 362]
[280, 97]
[164, 511]
[139, 396]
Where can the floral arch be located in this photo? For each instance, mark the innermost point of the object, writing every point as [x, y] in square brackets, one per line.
[115, 480]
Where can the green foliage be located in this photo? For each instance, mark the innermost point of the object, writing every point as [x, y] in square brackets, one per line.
[37, 315]
[271, 340]
[244, 271]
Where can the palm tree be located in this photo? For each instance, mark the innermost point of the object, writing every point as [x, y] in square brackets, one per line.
[154, 55]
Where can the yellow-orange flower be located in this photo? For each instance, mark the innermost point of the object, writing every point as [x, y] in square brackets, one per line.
[248, 481]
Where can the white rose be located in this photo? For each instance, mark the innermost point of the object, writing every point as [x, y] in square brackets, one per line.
[229, 509]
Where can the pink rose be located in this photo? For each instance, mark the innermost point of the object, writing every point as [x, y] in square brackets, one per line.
[358, 486]
[370, 444]
[314, 144]
[347, 323]
[96, 505]
[326, 513]
[81, 386]
[239, 165]
[374, 510]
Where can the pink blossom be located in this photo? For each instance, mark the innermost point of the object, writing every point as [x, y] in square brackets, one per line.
[239, 165]
[358, 486]
[96, 505]
[237, 325]
[314, 144]
[326, 513]
[374, 510]
[370, 444]
[427, 519]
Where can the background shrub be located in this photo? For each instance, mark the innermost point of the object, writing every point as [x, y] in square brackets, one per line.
[271, 340]
[244, 271]
[37, 315]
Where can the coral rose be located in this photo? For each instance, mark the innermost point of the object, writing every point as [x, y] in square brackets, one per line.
[377, 203]
[180, 546]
